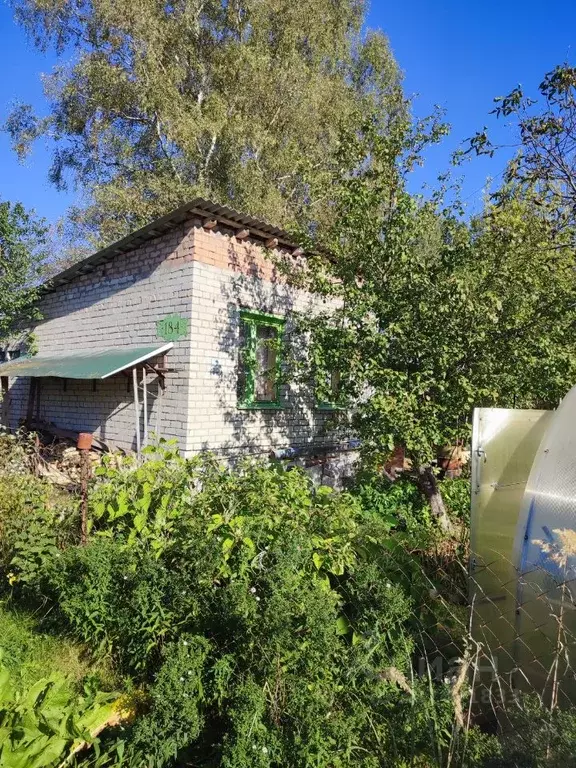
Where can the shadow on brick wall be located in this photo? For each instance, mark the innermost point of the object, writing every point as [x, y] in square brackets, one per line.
[298, 423]
[103, 408]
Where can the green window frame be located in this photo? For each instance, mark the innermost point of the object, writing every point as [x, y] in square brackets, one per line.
[333, 384]
[260, 360]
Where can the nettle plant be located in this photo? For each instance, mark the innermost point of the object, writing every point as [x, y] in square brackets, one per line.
[141, 502]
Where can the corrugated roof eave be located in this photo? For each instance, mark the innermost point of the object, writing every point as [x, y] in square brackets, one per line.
[199, 206]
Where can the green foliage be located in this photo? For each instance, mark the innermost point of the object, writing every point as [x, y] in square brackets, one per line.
[261, 621]
[544, 166]
[267, 625]
[39, 726]
[115, 600]
[535, 737]
[16, 453]
[34, 542]
[176, 704]
[22, 257]
[28, 651]
[425, 563]
[456, 495]
[162, 103]
[434, 315]
[142, 503]
[36, 522]
[400, 504]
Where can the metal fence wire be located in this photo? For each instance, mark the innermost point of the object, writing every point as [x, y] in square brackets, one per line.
[505, 642]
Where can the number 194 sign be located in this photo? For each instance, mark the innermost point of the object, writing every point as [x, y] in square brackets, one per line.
[172, 327]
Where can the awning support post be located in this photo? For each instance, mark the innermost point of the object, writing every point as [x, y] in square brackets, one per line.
[136, 410]
[145, 405]
[159, 397]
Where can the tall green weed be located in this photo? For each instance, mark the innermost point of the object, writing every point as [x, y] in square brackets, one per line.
[264, 618]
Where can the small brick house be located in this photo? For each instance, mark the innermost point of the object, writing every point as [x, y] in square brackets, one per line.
[179, 330]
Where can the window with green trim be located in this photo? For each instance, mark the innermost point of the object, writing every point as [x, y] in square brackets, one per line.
[259, 360]
[331, 394]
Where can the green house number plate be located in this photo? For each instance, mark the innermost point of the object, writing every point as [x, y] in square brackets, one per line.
[172, 328]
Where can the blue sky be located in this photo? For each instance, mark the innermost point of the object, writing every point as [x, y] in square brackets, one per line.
[460, 55]
[455, 54]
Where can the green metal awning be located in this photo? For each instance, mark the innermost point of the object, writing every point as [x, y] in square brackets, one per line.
[84, 364]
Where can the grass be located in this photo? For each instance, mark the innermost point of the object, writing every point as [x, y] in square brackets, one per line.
[31, 654]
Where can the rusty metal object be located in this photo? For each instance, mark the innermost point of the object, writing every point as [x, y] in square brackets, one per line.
[84, 444]
[84, 441]
[452, 459]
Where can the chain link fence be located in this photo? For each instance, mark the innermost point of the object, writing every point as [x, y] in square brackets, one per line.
[505, 643]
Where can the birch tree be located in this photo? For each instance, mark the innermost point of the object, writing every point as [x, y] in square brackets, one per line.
[154, 103]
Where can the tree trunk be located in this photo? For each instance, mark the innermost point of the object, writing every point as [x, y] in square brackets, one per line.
[429, 487]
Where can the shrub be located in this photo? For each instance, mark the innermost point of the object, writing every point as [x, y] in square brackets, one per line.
[37, 520]
[141, 503]
[456, 495]
[176, 704]
[263, 617]
[17, 453]
[535, 737]
[402, 505]
[264, 622]
[117, 601]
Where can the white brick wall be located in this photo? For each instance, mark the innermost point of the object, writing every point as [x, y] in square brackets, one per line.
[215, 421]
[200, 276]
[117, 304]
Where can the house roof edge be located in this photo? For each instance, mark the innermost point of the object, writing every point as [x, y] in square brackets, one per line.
[225, 216]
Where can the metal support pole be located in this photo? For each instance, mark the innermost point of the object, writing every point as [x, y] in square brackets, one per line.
[38, 390]
[84, 445]
[159, 396]
[31, 398]
[136, 410]
[145, 405]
